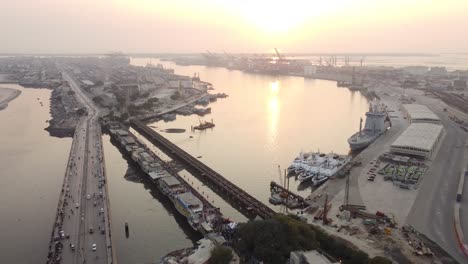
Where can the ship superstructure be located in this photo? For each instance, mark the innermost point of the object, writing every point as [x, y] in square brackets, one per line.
[374, 127]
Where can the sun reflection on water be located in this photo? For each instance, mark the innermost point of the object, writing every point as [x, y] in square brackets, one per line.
[273, 113]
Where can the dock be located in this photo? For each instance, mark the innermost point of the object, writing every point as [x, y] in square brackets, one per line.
[291, 200]
[235, 193]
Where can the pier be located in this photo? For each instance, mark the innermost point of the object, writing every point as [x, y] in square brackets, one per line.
[235, 193]
[290, 199]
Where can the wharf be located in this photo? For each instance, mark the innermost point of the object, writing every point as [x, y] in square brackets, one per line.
[291, 200]
[153, 166]
[236, 194]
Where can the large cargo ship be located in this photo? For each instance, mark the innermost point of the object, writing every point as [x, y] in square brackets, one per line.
[374, 127]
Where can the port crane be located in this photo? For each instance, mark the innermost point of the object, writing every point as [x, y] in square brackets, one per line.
[280, 58]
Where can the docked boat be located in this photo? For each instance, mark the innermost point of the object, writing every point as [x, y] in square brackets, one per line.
[374, 127]
[318, 167]
[306, 175]
[319, 179]
[188, 205]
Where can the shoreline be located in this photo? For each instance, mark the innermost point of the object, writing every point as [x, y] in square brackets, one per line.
[13, 93]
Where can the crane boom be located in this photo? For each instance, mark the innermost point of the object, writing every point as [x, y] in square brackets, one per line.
[278, 54]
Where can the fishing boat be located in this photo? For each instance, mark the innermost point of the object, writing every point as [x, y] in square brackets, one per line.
[204, 125]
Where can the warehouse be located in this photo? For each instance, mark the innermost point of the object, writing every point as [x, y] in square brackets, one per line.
[419, 139]
[417, 113]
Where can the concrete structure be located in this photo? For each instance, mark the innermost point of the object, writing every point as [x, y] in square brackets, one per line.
[308, 257]
[417, 113]
[419, 139]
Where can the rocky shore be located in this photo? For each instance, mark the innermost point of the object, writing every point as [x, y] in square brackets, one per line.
[65, 112]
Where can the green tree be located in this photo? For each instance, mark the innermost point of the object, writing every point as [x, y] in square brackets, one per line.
[272, 240]
[220, 255]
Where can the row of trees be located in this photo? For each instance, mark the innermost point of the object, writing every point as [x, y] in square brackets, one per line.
[272, 240]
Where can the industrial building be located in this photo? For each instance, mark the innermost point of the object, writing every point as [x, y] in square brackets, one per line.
[419, 139]
[417, 113]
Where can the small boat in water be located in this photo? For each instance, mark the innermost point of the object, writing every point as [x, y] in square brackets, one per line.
[204, 125]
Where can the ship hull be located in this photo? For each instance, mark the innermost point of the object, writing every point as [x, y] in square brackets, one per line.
[362, 143]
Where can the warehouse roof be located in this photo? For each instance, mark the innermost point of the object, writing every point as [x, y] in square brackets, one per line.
[420, 136]
[420, 112]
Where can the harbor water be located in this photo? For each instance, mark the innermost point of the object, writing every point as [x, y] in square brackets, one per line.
[265, 122]
[32, 166]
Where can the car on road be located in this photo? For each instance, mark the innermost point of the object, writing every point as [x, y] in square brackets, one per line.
[91, 230]
[95, 203]
[102, 210]
[94, 247]
[88, 196]
[72, 246]
[77, 205]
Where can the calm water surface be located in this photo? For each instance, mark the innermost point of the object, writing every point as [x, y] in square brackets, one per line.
[265, 122]
[32, 165]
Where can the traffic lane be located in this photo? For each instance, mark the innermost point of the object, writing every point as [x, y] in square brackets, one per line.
[72, 219]
[93, 214]
[432, 212]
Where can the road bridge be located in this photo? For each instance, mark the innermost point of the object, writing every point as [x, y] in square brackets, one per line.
[81, 232]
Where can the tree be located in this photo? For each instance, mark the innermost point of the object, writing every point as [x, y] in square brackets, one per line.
[220, 255]
[97, 99]
[81, 111]
[272, 240]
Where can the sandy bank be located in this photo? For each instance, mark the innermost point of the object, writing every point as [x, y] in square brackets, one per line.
[7, 95]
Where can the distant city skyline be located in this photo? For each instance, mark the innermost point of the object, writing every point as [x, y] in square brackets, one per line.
[294, 26]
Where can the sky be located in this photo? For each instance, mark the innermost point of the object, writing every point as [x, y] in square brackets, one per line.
[238, 26]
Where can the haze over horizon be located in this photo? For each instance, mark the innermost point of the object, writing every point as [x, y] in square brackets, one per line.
[178, 26]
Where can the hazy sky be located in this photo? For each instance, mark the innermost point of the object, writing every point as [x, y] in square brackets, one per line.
[82, 26]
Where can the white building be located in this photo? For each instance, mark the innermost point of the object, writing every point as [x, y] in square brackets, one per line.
[417, 113]
[419, 139]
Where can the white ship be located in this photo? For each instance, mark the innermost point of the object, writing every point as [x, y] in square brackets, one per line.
[317, 166]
